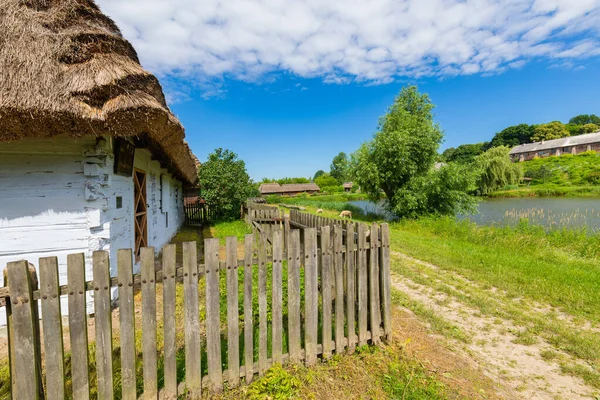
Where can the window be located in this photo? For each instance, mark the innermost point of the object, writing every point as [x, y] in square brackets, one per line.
[119, 202]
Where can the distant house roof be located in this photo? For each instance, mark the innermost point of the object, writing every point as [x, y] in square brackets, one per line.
[272, 188]
[300, 187]
[348, 185]
[268, 188]
[557, 143]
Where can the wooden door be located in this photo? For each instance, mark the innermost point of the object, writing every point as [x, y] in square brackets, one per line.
[140, 210]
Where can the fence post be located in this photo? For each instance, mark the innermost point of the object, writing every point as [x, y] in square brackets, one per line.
[193, 355]
[338, 272]
[350, 286]
[384, 260]
[213, 325]
[78, 326]
[262, 303]
[102, 309]
[233, 327]
[26, 356]
[149, 356]
[293, 252]
[248, 314]
[277, 300]
[53, 333]
[326, 289]
[374, 301]
[127, 323]
[169, 322]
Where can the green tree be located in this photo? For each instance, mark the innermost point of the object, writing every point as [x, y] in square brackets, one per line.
[549, 131]
[318, 174]
[326, 180]
[466, 153]
[225, 184]
[443, 191]
[585, 119]
[339, 167]
[495, 170]
[590, 128]
[399, 160]
[512, 136]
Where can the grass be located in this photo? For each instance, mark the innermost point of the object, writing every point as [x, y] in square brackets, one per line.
[566, 175]
[560, 268]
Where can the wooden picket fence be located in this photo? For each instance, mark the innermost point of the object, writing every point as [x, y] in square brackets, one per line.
[346, 302]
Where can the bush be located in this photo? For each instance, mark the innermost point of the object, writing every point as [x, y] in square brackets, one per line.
[276, 384]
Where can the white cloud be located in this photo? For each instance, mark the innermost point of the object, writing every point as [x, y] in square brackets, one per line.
[340, 41]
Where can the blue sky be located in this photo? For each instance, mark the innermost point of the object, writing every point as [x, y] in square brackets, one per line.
[287, 84]
[281, 130]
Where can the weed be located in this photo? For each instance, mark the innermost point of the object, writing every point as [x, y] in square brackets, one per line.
[276, 384]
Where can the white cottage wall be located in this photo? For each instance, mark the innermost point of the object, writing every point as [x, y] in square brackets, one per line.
[59, 196]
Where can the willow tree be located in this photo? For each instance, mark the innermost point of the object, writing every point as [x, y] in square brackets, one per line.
[399, 162]
[496, 170]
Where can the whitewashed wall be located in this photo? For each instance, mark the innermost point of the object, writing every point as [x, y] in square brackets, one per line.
[58, 197]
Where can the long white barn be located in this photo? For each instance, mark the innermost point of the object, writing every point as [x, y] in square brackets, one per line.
[91, 158]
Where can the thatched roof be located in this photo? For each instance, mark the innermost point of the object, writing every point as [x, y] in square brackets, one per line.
[65, 69]
[274, 188]
[268, 188]
[299, 187]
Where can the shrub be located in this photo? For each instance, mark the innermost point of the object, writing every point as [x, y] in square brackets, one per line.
[276, 384]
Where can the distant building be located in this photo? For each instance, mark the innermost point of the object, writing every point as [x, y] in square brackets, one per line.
[556, 147]
[290, 189]
[348, 186]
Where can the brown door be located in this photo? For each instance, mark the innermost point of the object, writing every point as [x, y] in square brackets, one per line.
[141, 211]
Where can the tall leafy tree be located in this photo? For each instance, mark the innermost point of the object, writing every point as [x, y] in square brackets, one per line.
[399, 160]
[225, 184]
[584, 119]
[512, 136]
[339, 167]
[590, 128]
[549, 131]
[495, 170]
[466, 153]
[318, 174]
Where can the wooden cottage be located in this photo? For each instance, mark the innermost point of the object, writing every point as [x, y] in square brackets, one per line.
[91, 158]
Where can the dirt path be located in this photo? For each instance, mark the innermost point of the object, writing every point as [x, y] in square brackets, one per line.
[494, 342]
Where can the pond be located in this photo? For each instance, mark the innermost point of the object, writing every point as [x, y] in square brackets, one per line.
[554, 212]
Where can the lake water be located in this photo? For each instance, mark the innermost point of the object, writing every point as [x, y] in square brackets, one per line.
[555, 212]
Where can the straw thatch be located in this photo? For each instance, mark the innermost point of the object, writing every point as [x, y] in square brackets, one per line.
[65, 69]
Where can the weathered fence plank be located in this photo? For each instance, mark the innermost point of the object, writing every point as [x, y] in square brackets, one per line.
[294, 296]
[374, 308]
[277, 300]
[169, 322]
[326, 290]
[213, 325]
[23, 325]
[193, 355]
[127, 323]
[384, 262]
[103, 324]
[262, 303]
[311, 295]
[248, 313]
[52, 323]
[149, 356]
[338, 258]
[78, 326]
[233, 327]
[351, 287]
[363, 285]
